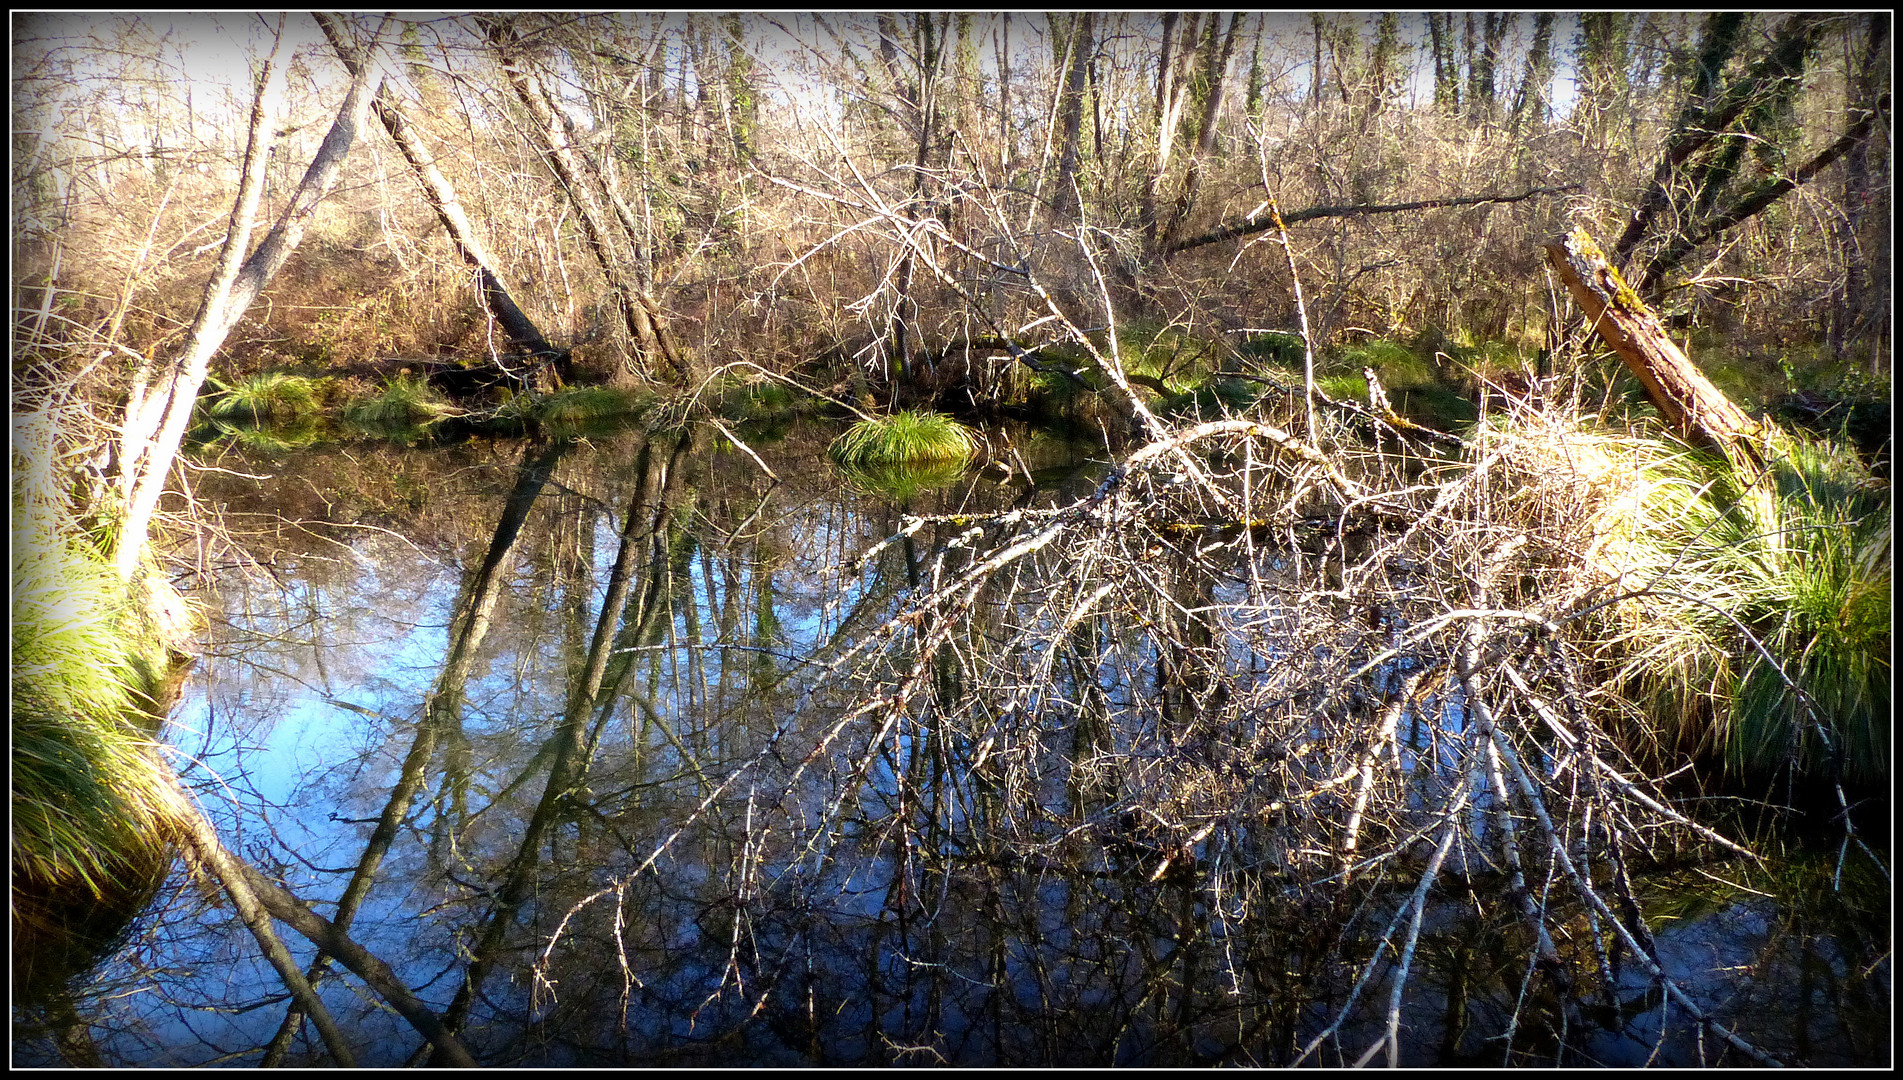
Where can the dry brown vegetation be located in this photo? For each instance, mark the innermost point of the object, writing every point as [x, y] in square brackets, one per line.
[771, 169]
[1308, 675]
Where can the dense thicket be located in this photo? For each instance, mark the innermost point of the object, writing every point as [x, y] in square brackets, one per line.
[1291, 655]
[674, 192]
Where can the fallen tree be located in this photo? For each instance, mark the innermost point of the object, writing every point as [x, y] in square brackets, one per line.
[1260, 220]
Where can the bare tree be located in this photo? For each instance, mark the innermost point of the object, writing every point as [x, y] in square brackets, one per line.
[161, 403]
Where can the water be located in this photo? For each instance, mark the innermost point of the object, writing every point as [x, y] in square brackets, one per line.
[637, 872]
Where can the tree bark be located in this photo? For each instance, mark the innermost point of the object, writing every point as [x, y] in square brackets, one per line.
[524, 336]
[1685, 399]
[155, 424]
[1169, 104]
[1440, 30]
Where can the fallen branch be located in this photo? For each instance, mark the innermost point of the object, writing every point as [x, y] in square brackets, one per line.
[1259, 221]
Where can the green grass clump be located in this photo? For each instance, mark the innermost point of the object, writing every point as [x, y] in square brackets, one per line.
[581, 404]
[1274, 348]
[1212, 399]
[88, 798]
[1343, 387]
[270, 397]
[757, 401]
[405, 401]
[905, 438]
[1164, 358]
[94, 816]
[1396, 364]
[1800, 561]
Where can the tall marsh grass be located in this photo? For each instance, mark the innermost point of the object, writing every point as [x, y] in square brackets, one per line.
[93, 811]
[1755, 619]
[89, 801]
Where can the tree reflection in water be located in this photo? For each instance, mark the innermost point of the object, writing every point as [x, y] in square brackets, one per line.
[626, 754]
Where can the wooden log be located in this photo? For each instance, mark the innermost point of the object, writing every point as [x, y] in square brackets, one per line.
[1687, 401]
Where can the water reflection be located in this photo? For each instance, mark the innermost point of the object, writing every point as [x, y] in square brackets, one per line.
[544, 726]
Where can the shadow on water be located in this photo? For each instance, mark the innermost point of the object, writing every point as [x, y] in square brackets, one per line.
[550, 727]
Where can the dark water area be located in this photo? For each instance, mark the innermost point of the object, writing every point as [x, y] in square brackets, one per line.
[393, 698]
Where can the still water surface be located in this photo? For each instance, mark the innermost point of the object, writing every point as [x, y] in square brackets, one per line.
[391, 699]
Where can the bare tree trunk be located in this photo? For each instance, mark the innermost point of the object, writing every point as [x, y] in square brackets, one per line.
[1538, 76]
[1216, 74]
[1081, 45]
[1260, 221]
[522, 332]
[1754, 201]
[1006, 157]
[1707, 113]
[1440, 29]
[156, 422]
[575, 174]
[1168, 102]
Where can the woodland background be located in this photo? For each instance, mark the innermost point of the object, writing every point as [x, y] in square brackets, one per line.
[788, 183]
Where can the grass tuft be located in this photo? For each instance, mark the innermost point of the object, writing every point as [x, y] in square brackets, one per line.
[905, 438]
[405, 401]
[270, 397]
[582, 404]
[88, 798]
[1800, 561]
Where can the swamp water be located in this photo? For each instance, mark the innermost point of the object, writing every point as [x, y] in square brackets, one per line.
[578, 879]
